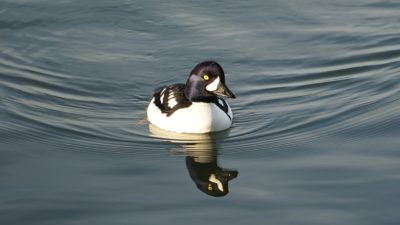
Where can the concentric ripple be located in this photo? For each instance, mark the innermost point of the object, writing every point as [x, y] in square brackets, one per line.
[76, 83]
[357, 95]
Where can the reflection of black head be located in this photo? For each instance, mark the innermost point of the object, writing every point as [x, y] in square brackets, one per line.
[210, 178]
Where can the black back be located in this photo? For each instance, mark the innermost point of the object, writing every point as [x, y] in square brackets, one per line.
[164, 96]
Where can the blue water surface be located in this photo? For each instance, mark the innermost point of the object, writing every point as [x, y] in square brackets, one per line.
[315, 137]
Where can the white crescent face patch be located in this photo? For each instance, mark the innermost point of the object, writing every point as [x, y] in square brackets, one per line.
[213, 85]
[213, 179]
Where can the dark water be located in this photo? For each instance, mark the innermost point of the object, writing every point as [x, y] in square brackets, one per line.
[315, 138]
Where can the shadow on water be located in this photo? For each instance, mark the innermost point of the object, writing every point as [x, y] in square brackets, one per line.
[201, 160]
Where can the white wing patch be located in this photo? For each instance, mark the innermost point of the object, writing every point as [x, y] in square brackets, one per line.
[171, 100]
[163, 90]
[213, 85]
[218, 182]
[162, 96]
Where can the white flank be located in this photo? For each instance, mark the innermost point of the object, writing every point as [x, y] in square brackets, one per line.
[218, 182]
[200, 117]
[213, 85]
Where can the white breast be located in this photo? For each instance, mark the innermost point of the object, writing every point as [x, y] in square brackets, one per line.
[200, 117]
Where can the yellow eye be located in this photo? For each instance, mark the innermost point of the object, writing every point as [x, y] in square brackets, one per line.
[209, 187]
[206, 77]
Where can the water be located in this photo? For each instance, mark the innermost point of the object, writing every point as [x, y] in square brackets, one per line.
[316, 123]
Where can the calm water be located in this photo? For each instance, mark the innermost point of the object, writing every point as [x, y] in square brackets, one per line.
[315, 138]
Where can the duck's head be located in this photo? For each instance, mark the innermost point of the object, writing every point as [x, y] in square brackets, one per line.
[209, 177]
[207, 80]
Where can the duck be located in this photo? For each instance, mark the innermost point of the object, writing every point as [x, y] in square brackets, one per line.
[198, 106]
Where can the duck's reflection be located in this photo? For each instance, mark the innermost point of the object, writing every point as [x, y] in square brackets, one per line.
[201, 160]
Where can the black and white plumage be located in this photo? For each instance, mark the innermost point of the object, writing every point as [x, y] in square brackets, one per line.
[194, 107]
[209, 177]
[171, 98]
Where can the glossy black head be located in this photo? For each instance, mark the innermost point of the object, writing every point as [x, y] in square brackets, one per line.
[207, 80]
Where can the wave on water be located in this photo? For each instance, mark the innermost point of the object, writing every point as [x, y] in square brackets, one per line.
[85, 86]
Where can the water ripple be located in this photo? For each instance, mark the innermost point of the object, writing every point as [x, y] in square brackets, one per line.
[329, 99]
[286, 93]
